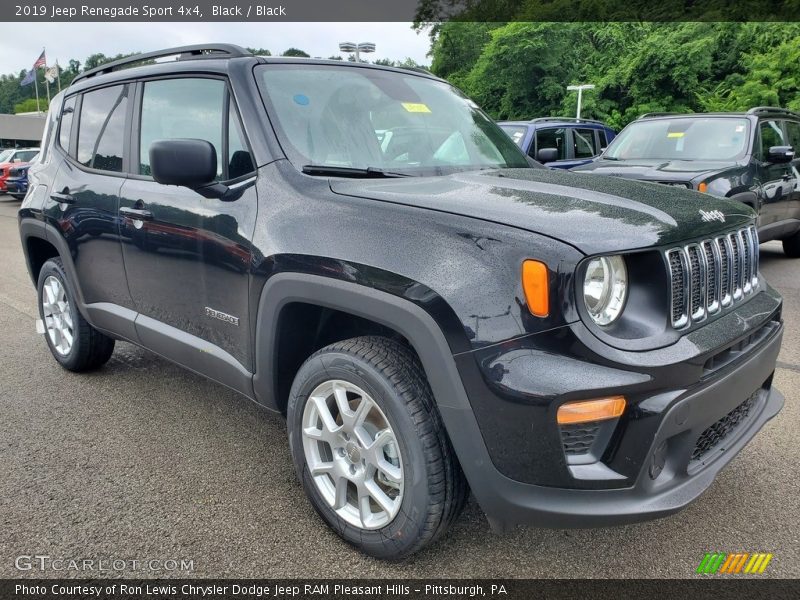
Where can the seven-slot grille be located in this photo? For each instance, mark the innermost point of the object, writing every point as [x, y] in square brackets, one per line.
[710, 275]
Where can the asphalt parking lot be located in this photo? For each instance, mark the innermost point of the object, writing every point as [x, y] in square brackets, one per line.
[143, 460]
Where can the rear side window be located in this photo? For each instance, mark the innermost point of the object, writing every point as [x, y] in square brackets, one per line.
[65, 129]
[50, 126]
[584, 144]
[552, 138]
[101, 132]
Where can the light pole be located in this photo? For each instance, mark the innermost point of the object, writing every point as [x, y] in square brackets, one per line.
[364, 47]
[580, 88]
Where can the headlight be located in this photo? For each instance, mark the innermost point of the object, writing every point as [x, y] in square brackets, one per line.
[605, 288]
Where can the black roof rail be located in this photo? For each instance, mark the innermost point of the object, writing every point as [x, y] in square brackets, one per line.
[184, 52]
[661, 114]
[565, 119]
[762, 110]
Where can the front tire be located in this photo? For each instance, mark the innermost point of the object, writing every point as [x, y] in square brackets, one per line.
[370, 449]
[75, 344]
[791, 245]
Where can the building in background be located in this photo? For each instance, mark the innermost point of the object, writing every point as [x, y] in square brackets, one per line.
[19, 131]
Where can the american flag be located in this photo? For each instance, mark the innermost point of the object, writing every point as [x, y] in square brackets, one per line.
[40, 62]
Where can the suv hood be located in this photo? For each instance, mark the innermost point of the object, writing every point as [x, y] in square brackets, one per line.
[593, 214]
[655, 169]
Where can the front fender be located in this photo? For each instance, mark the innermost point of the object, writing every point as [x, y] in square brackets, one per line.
[401, 314]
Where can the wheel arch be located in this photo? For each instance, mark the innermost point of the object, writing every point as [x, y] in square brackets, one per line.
[749, 198]
[41, 242]
[383, 311]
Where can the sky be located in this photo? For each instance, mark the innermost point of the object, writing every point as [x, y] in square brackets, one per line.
[21, 44]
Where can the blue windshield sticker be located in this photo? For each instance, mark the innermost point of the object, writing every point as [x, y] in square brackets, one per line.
[301, 99]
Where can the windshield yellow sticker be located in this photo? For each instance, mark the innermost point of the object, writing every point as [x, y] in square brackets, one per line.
[675, 134]
[416, 107]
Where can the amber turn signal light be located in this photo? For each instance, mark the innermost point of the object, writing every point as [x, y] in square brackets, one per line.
[585, 411]
[535, 286]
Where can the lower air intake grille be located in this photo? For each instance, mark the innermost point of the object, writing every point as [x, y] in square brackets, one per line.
[712, 436]
[578, 438]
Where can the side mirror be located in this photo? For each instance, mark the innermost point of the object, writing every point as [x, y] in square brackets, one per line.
[189, 163]
[546, 155]
[780, 154]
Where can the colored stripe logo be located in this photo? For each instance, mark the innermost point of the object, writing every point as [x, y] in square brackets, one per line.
[742, 562]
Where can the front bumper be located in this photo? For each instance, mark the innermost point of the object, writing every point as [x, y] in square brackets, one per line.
[648, 469]
[13, 186]
[680, 481]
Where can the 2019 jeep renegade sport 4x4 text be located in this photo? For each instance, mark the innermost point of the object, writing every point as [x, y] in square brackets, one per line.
[361, 249]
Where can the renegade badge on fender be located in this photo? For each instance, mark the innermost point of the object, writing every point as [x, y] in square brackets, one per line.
[363, 250]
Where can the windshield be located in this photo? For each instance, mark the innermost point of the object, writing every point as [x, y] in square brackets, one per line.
[515, 132]
[693, 138]
[5, 155]
[376, 119]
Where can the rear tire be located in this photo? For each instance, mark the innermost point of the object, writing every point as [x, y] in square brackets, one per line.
[791, 245]
[75, 344]
[420, 494]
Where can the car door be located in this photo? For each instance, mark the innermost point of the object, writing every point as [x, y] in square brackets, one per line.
[777, 180]
[585, 145]
[82, 203]
[187, 257]
[552, 137]
[793, 138]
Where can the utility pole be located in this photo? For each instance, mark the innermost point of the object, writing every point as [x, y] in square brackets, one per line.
[579, 89]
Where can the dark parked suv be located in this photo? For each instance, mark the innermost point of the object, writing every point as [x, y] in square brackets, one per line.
[559, 142]
[432, 319]
[749, 157]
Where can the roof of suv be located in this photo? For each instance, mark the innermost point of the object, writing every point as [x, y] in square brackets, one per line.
[758, 111]
[557, 121]
[205, 57]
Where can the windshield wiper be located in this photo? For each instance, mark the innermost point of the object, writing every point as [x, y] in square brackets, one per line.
[609, 158]
[350, 171]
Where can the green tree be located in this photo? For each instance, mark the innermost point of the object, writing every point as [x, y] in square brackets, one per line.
[457, 47]
[521, 70]
[296, 52]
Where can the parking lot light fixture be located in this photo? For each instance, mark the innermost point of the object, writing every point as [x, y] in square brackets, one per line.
[357, 49]
[579, 89]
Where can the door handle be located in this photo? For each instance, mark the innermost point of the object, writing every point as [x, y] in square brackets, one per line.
[62, 198]
[137, 214]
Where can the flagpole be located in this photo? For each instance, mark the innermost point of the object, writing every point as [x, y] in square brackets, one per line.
[36, 87]
[46, 82]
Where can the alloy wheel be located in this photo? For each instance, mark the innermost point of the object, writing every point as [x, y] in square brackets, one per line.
[57, 315]
[352, 454]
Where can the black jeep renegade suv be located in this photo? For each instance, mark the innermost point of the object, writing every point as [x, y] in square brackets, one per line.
[363, 250]
[749, 157]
